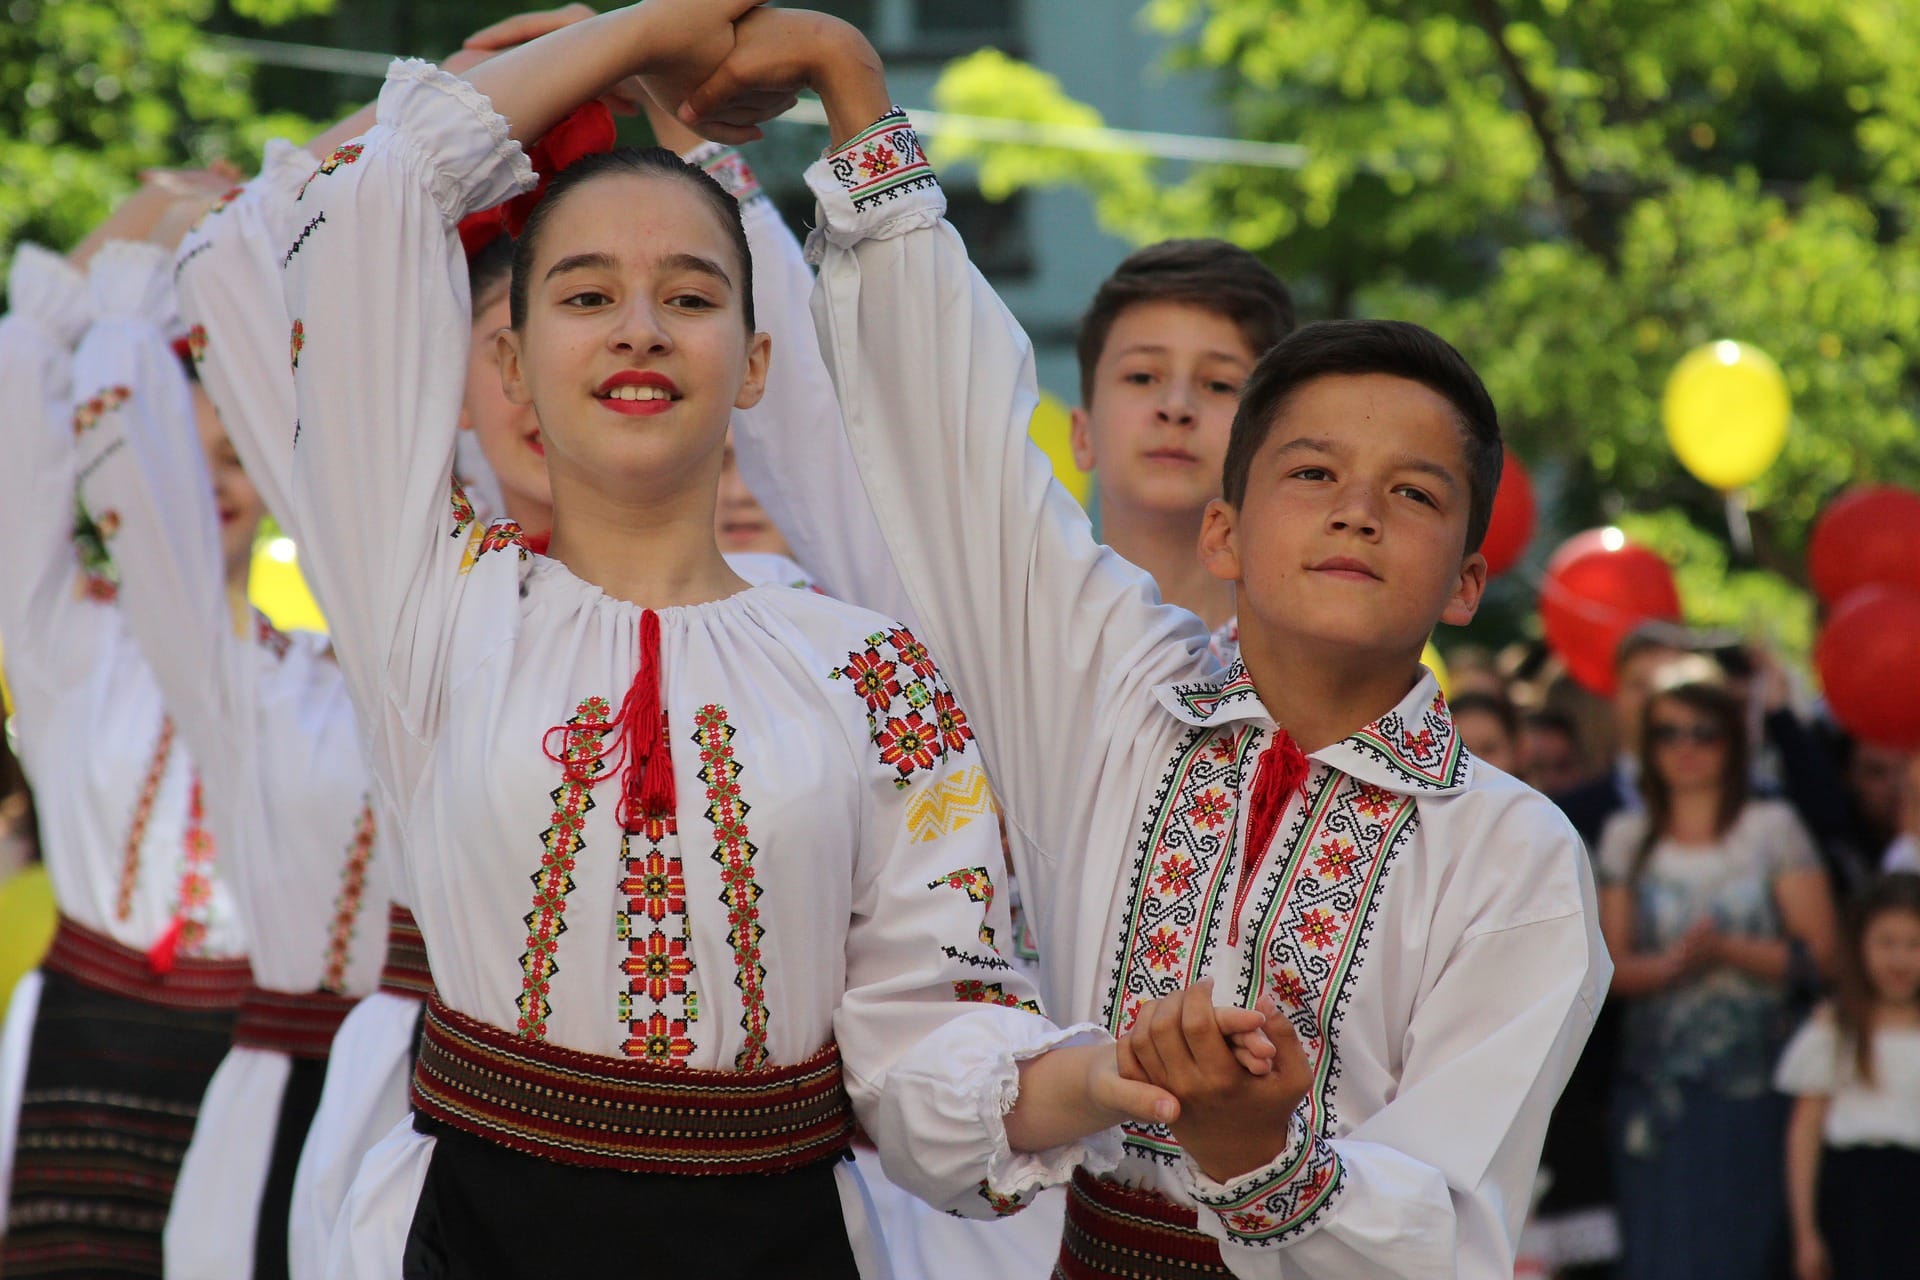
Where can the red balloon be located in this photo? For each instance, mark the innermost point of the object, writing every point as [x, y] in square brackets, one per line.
[1867, 656]
[1598, 588]
[1511, 527]
[1866, 536]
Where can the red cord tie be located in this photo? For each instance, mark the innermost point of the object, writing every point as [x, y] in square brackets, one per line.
[1282, 768]
[647, 792]
[590, 130]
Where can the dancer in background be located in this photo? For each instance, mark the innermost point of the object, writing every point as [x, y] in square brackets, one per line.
[267, 716]
[133, 1008]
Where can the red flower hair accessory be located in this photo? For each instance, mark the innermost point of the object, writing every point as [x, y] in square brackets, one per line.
[588, 131]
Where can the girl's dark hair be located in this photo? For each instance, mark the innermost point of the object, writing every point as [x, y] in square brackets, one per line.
[17, 816]
[490, 268]
[1346, 348]
[645, 162]
[1724, 711]
[1853, 996]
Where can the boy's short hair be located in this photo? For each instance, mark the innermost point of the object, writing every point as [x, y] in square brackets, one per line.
[1210, 274]
[1344, 348]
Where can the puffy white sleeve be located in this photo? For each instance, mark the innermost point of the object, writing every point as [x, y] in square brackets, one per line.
[1810, 1065]
[1054, 641]
[376, 286]
[48, 629]
[1438, 1182]
[935, 1021]
[142, 470]
[227, 275]
[792, 447]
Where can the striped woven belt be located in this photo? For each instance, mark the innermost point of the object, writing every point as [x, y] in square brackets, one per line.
[1119, 1233]
[406, 973]
[97, 961]
[299, 1024]
[616, 1113]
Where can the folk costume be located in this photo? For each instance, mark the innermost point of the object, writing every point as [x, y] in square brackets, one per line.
[268, 718]
[133, 1007]
[791, 443]
[1427, 923]
[710, 857]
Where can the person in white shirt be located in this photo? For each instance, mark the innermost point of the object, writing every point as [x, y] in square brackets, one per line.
[1853, 1144]
[1426, 924]
[132, 1010]
[783, 910]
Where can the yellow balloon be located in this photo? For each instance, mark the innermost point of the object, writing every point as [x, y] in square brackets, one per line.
[1438, 665]
[1726, 412]
[1052, 430]
[276, 588]
[27, 918]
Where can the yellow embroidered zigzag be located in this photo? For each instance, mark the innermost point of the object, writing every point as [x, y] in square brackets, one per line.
[945, 808]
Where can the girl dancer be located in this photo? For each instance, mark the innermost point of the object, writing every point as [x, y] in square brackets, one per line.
[137, 996]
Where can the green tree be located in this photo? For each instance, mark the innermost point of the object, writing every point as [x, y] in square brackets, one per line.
[1576, 192]
[94, 91]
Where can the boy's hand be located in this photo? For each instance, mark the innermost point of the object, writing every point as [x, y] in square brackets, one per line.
[777, 53]
[1232, 1120]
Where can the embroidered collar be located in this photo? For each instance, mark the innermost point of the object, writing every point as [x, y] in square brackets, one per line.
[1413, 749]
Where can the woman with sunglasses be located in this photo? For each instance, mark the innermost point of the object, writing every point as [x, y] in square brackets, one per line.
[1712, 901]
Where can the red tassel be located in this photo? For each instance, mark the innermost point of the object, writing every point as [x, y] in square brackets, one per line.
[647, 786]
[161, 955]
[1282, 768]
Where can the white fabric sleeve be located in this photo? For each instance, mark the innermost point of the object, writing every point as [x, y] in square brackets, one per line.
[1438, 1182]
[142, 470]
[227, 274]
[381, 322]
[52, 636]
[1810, 1064]
[935, 1020]
[792, 447]
[1045, 632]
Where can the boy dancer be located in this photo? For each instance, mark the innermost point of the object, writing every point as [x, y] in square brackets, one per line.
[1304, 828]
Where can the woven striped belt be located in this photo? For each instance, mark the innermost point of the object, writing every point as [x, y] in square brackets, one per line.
[299, 1024]
[406, 973]
[617, 1113]
[1115, 1232]
[97, 961]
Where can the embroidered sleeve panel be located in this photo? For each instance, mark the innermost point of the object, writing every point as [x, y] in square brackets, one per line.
[877, 186]
[913, 719]
[729, 168]
[1281, 1201]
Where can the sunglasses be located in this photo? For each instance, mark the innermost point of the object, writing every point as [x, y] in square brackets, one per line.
[1699, 733]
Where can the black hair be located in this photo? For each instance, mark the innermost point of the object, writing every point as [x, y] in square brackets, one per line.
[1547, 720]
[1344, 348]
[1210, 274]
[646, 162]
[490, 268]
[1491, 704]
[1652, 637]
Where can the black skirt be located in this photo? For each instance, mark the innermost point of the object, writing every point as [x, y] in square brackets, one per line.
[1870, 1212]
[113, 1088]
[487, 1211]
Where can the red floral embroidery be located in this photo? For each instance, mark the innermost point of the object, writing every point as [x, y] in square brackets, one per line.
[977, 884]
[909, 743]
[142, 815]
[346, 905]
[955, 732]
[1165, 949]
[973, 991]
[1337, 859]
[297, 342]
[1174, 875]
[741, 893]
[1211, 810]
[196, 876]
[561, 843]
[1318, 929]
[873, 678]
[90, 411]
[344, 155]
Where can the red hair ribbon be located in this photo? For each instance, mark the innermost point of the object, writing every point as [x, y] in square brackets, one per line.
[647, 793]
[588, 131]
[1282, 768]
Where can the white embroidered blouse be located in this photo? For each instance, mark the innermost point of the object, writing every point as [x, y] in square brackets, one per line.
[267, 715]
[830, 869]
[113, 780]
[1427, 922]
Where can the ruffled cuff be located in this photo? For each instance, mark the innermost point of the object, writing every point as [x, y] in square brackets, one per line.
[949, 1097]
[473, 163]
[45, 288]
[1276, 1203]
[728, 168]
[132, 280]
[877, 186]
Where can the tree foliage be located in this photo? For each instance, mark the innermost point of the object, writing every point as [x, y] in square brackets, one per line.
[94, 91]
[1576, 192]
